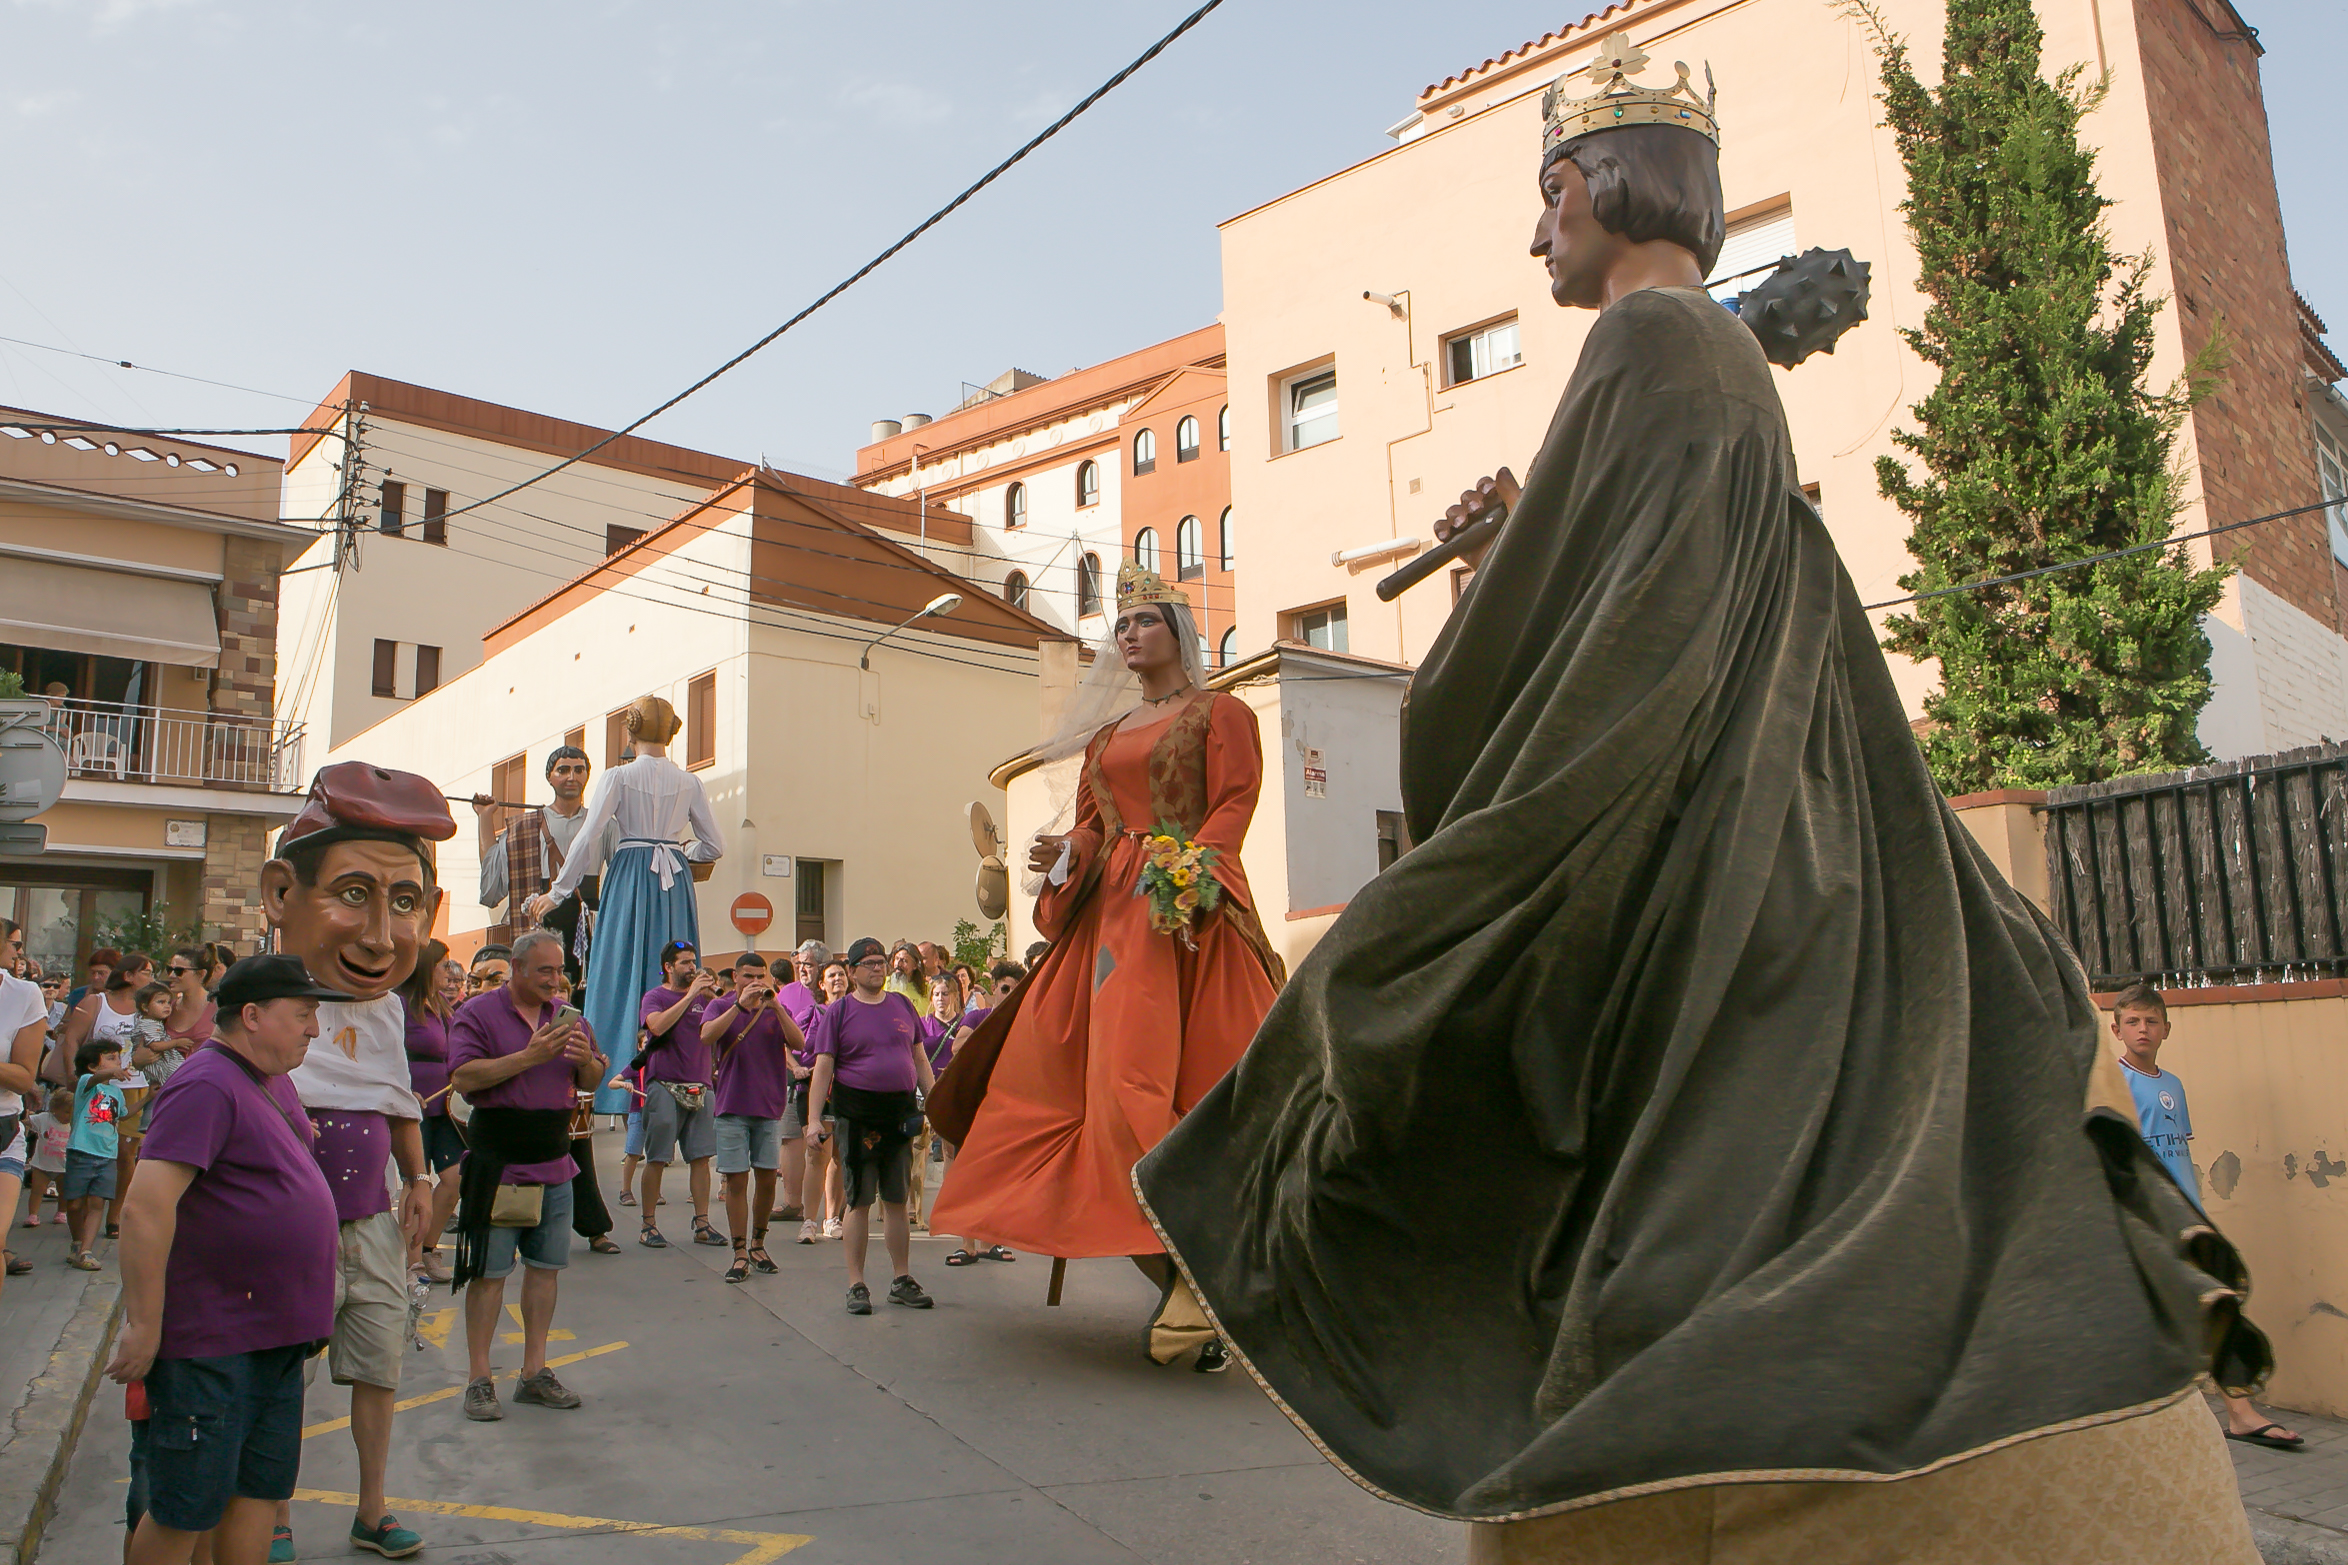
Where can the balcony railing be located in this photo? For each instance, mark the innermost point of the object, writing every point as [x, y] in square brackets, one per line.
[120, 742]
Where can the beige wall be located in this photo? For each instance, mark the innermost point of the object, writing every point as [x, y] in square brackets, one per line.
[2266, 1078]
[1443, 221]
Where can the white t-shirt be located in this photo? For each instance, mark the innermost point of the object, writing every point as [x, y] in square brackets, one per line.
[20, 1006]
[359, 1060]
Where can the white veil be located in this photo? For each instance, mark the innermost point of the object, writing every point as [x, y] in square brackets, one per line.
[1106, 693]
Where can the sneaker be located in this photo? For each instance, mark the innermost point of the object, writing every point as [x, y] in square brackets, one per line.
[831, 1228]
[543, 1389]
[907, 1292]
[810, 1231]
[387, 1538]
[281, 1549]
[1213, 1359]
[859, 1299]
[481, 1402]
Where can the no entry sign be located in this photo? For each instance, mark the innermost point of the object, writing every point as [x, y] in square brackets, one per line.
[752, 913]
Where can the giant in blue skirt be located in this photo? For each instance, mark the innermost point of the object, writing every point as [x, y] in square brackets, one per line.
[635, 920]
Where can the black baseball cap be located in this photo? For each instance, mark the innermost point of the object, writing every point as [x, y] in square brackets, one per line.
[864, 949]
[259, 979]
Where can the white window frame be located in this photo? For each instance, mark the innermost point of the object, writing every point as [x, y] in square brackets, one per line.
[1493, 348]
[1190, 548]
[1332, 618]
[1292, 389]
[1086, 497]
[1186, 450]
[1015, 507]
[1145, 548]
[1145, 451]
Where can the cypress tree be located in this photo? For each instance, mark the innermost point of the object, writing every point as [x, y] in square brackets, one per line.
[2040, 442]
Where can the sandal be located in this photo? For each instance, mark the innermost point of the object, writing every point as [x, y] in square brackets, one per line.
[650, 1238]
[604, 1244]
[738, 1269]
[764, 1262]
[705, 1233]
[995, 1252]
[961, 1258]
[17, 1264]
[84, 1262]
[2261, 1436]
[627, 1198]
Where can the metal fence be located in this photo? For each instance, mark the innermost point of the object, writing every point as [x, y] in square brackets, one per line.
[121, 742]
[2226, 874]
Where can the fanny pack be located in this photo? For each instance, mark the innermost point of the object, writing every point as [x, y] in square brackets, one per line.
[517, 1206]
[688, 1094]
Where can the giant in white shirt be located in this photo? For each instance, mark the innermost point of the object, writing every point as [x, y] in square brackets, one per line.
[653, 800]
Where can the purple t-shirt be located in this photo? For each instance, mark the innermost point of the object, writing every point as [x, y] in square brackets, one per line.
[755, 1081]
[427, 1058]
[353, 1149]
[680, 1055]
[252, 1261]
[802, 1003]
[488, 1028]
[872, 1045]
[937, 1039]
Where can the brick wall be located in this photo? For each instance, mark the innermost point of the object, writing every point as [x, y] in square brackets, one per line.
[2302, 670]
[235, 848]
[247, 685]
[2225, 250]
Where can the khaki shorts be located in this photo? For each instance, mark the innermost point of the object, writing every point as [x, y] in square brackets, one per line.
[370, 1302]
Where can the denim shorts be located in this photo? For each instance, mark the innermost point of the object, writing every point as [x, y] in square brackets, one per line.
[635, 1146]
[547, 1246]
[86, 1174]
[444, 1145]
[12, 1158]
[745, 1142]
[220, 1429]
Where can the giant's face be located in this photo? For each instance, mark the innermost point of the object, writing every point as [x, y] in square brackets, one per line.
[360, 928]
[568, 778]
[1568, 237]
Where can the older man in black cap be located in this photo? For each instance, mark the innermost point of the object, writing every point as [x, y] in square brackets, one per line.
[227, 1192]
[352, 893]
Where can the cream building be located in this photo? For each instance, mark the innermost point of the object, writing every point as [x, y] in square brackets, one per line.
[426, 585]
[138, 590]
[840, 789]
[1390, 341]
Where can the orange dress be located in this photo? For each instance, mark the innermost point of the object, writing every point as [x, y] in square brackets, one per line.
[1121, 1028]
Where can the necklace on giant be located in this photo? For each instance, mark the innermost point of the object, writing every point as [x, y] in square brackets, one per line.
[1168, 696]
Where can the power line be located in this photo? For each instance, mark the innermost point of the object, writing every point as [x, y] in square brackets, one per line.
[2098, 559]
[149, 369]
[86, 428]
[857, 276]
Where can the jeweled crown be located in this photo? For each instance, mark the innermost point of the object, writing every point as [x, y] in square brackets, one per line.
[1619, 101]
[1137, 584]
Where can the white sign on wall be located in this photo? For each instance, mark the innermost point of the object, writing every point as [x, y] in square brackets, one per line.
[1316, 776]
[775, 864]
[183, 834]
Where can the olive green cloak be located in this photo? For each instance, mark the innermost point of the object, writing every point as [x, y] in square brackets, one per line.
[1694, 1103]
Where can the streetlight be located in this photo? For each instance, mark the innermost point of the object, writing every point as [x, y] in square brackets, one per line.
[943, 603]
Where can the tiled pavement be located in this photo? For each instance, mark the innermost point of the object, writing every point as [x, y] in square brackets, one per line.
[2298, 1500]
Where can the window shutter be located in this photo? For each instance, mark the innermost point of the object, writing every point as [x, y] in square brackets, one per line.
[386, 666]
[701, 720]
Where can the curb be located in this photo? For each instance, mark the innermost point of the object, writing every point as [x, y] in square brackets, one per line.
[41, 1439]
[2284, 1540]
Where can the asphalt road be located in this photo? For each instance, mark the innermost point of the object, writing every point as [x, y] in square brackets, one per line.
[739, 1425]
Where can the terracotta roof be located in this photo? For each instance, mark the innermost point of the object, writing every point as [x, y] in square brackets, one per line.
[2322, 362]
[1527, 49]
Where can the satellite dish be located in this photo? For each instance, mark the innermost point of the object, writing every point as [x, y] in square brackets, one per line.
[983, 835]
[994, 887]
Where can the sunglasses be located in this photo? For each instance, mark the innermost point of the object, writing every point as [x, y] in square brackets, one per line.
[179, 969]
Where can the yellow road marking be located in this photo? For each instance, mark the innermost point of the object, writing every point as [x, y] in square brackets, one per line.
[435, 1330]
[764, 1546]
[553, 1334]
[445, 1392]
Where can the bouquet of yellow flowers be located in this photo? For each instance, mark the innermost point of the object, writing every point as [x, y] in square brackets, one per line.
[1178, 880]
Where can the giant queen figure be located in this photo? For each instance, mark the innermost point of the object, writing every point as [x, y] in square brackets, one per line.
[1771, 1215]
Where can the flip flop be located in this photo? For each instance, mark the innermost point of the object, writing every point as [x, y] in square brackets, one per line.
[2259, 1436]
[961, 1258]
[995, 1252]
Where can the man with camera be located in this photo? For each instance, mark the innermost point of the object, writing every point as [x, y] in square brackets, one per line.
[677, 1083]
[754, 1038]
[519, 1064]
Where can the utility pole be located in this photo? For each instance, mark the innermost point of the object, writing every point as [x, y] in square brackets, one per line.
[347, 502]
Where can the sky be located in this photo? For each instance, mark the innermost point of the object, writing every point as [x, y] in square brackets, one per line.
[580, 206]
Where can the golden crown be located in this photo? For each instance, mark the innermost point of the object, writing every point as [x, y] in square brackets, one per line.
[1136, 585]
[1619, 101]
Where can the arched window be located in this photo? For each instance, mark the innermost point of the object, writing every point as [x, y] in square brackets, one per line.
[1088, 484]
[1145, 548]
[1145, 451]
[1223, 430]
[1015, 589]
[1230, 541]
[1186, 439]
[1015, 506]
[1190, 555]
[1088, 584]
[1227, 652]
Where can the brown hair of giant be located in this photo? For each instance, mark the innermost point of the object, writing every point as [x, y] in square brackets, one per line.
[1651, 182]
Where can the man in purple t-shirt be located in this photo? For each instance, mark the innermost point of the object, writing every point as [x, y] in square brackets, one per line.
[508, 1050]
[868, 1061]
[753, 1038]
[228, 1262]
[801, 999]
[678, 1117]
